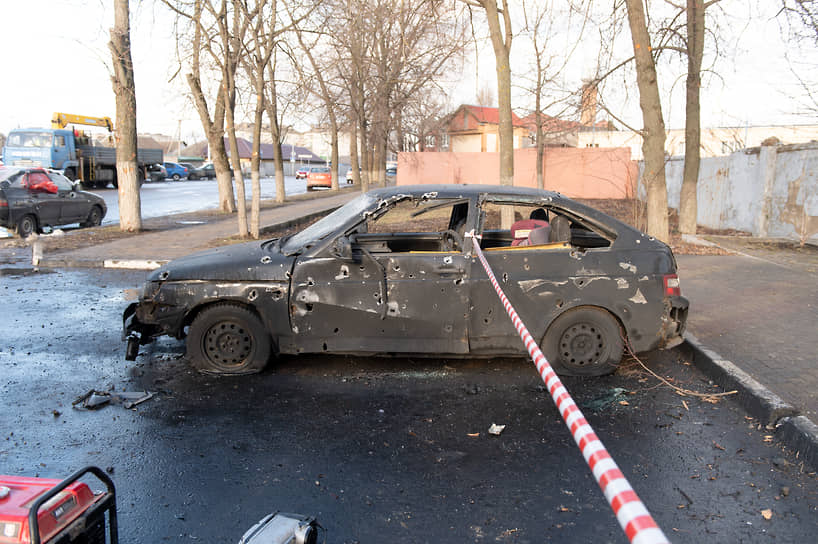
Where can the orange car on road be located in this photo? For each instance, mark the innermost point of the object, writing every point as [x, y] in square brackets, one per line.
[319, 176]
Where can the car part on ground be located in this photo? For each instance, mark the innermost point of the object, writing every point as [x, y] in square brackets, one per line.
[392, 272]
[282, 528]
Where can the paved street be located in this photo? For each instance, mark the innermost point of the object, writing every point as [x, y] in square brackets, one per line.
[169, 197]
[376, 449]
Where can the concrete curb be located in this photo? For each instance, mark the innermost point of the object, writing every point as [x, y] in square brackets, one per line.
[795, 431]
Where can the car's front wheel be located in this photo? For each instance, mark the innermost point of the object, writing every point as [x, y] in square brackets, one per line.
[26, 226]
[94, 218]
[584, 342]
[228, 339]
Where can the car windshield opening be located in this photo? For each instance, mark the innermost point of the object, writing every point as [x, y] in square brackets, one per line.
[342, 216]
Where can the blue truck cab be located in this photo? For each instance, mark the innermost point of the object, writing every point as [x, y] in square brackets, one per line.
[46, 147]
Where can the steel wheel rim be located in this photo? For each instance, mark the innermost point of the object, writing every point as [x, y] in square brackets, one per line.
[582, 345]
[228, 344]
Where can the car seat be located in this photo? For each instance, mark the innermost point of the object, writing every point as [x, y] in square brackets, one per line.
[560, 229]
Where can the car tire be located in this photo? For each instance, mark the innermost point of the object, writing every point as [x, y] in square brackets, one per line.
[584, 342]
[228, 339]
[176, 177]
[94, 218]
[27, 225]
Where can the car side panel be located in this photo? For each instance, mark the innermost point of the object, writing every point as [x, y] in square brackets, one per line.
[542, 283]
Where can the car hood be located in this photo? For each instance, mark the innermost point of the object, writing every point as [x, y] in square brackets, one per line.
[252, 261]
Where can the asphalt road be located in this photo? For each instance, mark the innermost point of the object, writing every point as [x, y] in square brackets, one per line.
[379, 450]
[171, 197]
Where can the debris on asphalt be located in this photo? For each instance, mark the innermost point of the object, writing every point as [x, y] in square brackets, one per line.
[93, 400]
[767, 514]
[603, 401]
[496, 429]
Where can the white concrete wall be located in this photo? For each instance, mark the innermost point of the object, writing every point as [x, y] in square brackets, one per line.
[767, 191]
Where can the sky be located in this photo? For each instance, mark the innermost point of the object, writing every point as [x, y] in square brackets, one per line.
[56, 60]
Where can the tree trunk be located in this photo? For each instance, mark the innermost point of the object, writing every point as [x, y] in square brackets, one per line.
[353, 154]
[502, 48]
[241, 200]
[214, 129]
[365, 156]
[130, 212]
[275, 133]
[688, 203]
[653, 133]
[255, 160]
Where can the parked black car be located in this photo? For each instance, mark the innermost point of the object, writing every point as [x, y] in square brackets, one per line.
[33, 198]
[206, 171]
[394, 272]
[157, 172]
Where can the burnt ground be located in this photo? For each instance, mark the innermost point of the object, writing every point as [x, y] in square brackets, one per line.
[392, 450]
[628, 211]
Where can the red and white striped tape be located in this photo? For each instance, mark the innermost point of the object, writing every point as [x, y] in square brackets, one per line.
[631, 514]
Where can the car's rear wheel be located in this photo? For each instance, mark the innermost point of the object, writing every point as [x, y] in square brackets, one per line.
[584, 342]
[228, 339]
[94, 218]
[176, 177]
[26, 226]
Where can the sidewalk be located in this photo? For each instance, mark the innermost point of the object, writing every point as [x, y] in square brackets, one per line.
[760, 310]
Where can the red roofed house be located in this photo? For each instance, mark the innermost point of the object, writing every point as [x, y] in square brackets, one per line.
[476, 128]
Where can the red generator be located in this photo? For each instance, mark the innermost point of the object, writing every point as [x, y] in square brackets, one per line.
[44, 511]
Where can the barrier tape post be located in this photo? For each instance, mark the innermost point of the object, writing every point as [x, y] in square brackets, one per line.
[632, 515]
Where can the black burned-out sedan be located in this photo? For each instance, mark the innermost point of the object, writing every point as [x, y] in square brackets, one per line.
[33, 198]
[394, 272]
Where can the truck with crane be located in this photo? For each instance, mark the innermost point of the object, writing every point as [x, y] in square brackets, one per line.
[72, 151]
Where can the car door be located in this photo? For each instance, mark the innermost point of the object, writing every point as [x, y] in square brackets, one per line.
[74, 206]
[400, 289]
[45, 203]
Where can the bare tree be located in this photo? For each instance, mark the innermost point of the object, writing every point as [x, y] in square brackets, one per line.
[130, 212]
[541, 22]
[485, 96]
[199, 15]
[653, 133]
[323, 92]
[799, 21]
[388, 51]
[688, 203]
[501, 36]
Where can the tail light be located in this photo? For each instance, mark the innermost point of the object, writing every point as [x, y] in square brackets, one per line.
[672, 285]
[4, 203]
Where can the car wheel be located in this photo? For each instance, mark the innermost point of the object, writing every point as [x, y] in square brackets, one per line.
[584, 342]
[176, 177]
[26, 226]
[94, 218]
[228, 339]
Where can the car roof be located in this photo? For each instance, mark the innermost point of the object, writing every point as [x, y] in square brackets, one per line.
[467, 190]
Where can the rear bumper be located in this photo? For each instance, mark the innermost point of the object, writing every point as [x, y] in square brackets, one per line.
[674, 322]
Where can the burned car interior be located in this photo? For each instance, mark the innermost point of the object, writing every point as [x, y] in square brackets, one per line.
[439, 225]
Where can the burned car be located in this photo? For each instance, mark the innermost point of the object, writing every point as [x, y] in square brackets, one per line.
[394, 272]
